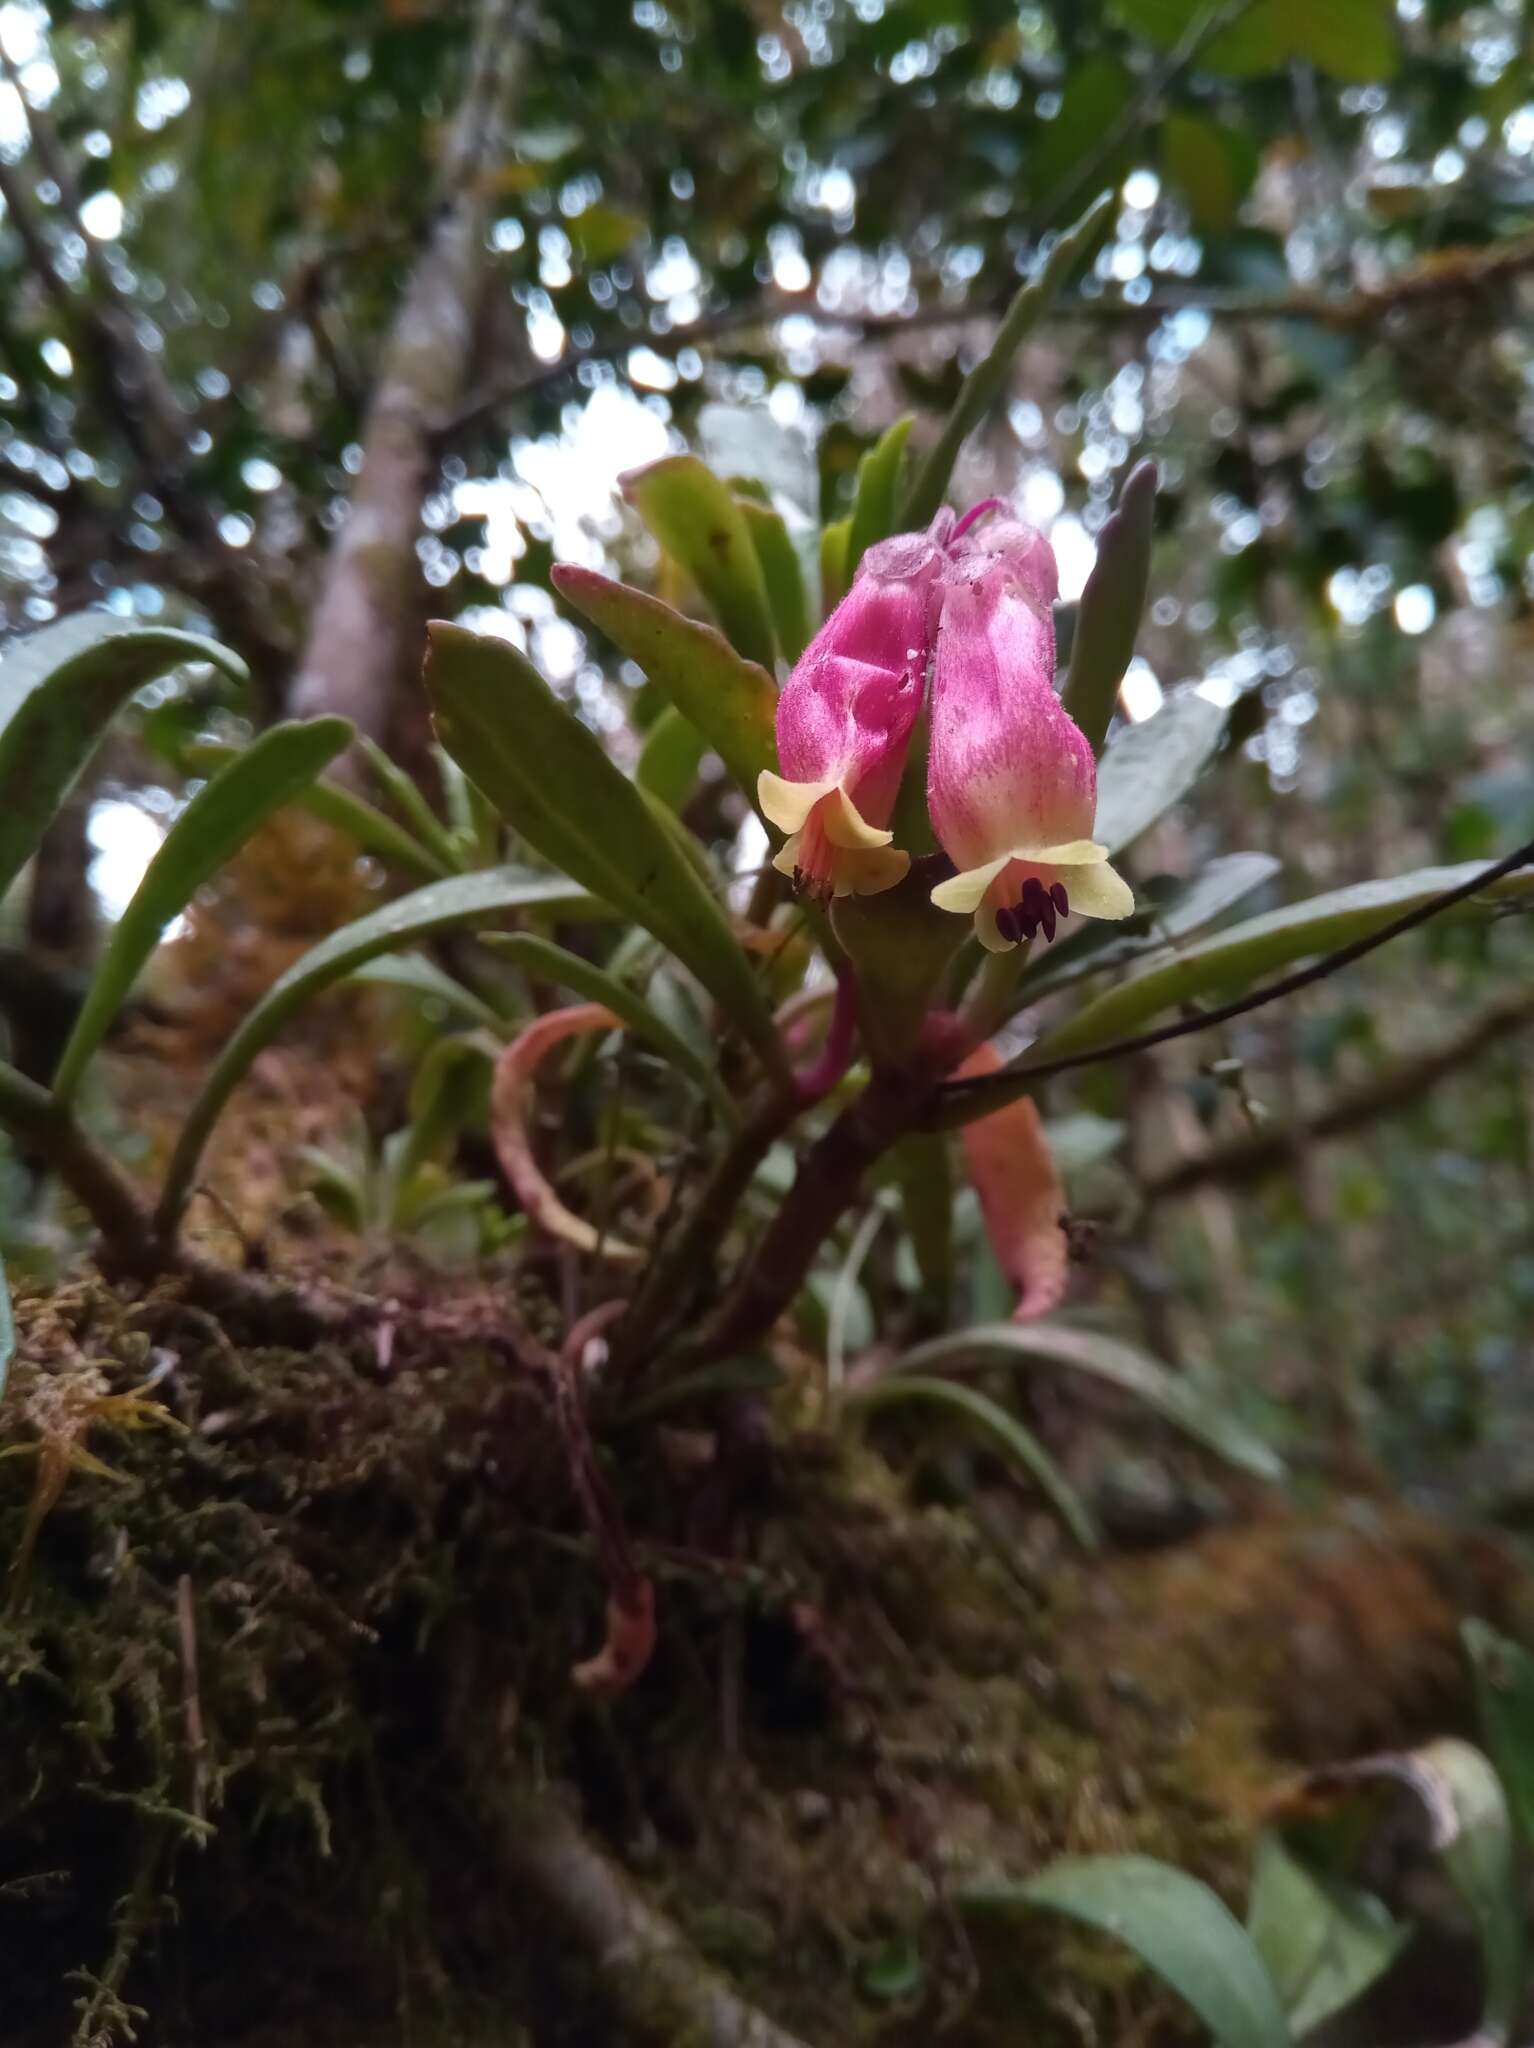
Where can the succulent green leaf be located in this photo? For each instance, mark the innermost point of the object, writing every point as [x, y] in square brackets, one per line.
[551, 778]
[413, 974]
[877, 505]
[60, 689]
[984, 384]
[669, 759]
[732, 702]
[409, 800]
[698, 520]
[783, 574]
[458, 900]
[835, 574]
[332, 805]
[1108, 616]
[213, 827]
[1504, 1691]
[1173, 1923]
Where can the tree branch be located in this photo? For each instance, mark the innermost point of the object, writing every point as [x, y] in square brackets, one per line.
[1251, 1157]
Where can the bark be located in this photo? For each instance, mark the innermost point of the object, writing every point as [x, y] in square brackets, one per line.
[364, 638]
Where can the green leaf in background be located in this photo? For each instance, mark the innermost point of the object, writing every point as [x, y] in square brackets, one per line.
[1215, 889]
[783, 574]
[698, 520]
[1151, 766]
[413, 974]
[669, 760]
[1108, 616]
[544, 961]
[1005, 1432]
[1096, 91]
[1323, 1942]
[1471, 1833]
[1212, 165]
[732, 702]
[1247, 953]
[1504, 1691]
[213, 827]
[7, 1331]
[461, 899]
[921, 1166]
[552, 779]
[877, 504]
[835, 577]
[1351, 40]
[408, 799]
[1203, 1416]
[450, 1089]
[1173, 1923]
[984, 384]
[59, 691]
[332, 805]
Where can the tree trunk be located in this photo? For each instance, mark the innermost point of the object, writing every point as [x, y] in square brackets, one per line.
[364, 638]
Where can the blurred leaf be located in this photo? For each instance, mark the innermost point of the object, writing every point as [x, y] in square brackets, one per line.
[553, 780]
[213, 827]
[835, 576]
[1148, 767]
[877, 503]
[1470, 1831]
[408, 799]
[893, 1971]
[1172, 1922]
[1323, 1942]
[1247, 952]
[60, 689]
[601, 233]
[1504, 1691]
[415, 975]
[1108, 616]
[1211, 164]
[1205, 1416]
[669, 759]
[985, 383]
[1354, 41]
[450, 1088]
[461, 899]
[1005, 1432]
[698, 520]
[544, 961]
[732, 702]
[1096, 92]
[366, 827]
[783, 574]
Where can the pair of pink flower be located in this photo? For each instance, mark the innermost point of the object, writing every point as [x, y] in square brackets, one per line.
[1011, 782]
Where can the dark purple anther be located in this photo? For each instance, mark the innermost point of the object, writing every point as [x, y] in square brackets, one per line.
[1060, 900]
[1007, 925]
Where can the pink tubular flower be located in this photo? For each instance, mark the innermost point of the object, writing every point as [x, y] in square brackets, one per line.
[1011, 782]
[845, 718]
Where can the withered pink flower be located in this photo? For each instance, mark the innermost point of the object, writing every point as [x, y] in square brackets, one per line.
[1011, 782]
[845, 718]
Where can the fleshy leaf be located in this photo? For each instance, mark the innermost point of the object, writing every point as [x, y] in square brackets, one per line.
[1324, 1942]
[60, 689]
[552, 779]
[877, 505]
[1199, 1414]
[1108, 616]
[1149, 767]
[669, 759]
[270, 772]
[731, 701]
[699, 522]
[782, 573]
